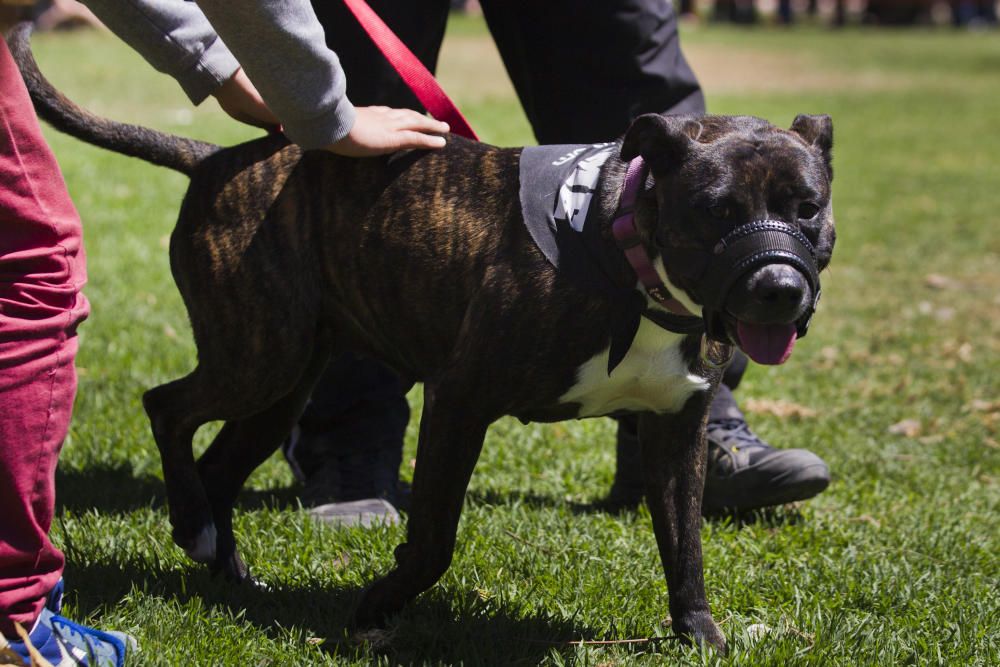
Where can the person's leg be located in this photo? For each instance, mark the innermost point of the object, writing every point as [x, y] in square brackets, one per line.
[35, 401]
[41, 273]
[348, 445]
[584, 71]
[370, 79]
[42, 270]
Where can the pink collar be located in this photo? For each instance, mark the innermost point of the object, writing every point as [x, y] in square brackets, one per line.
[628, 240]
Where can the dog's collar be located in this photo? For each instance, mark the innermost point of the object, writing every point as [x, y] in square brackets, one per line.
[629, 242]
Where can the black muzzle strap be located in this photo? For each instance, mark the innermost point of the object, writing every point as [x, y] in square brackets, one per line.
[746, 249]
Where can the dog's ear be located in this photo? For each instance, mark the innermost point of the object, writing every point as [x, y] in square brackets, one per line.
[662, 141]
[817, 131]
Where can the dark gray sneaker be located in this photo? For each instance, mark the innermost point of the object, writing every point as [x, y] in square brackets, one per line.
[745, 473]
[351, 486]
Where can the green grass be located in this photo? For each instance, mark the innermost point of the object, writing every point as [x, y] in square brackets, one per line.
[895, 564]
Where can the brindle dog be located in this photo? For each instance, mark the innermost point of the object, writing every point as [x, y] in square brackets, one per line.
[422, 260]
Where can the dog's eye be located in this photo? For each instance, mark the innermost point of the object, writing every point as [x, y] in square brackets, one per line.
[808, 210]
[721, 212]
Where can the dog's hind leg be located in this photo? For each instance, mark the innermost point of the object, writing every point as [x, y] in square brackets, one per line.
[452, 429]
[238, 450]
[232, 383]
[175, 418]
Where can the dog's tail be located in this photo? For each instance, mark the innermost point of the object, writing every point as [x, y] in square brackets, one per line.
[159, 148]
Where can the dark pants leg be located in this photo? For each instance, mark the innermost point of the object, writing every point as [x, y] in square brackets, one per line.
[584, 71]
[358, 412]
[420, 24]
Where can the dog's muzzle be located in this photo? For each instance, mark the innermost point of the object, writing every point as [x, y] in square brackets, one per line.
[744, 250]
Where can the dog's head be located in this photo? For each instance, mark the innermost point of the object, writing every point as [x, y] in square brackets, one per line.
[742, 219]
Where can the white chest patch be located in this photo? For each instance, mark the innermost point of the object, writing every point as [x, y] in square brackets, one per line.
[651, 378]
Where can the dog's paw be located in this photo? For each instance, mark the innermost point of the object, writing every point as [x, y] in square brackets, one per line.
[235, 571]
[368, 616]
[700, 628]
[376, 606]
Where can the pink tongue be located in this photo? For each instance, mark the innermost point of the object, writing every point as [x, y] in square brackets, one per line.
[767, 343]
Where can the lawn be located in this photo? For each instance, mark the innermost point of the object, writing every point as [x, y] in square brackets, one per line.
[896, 387]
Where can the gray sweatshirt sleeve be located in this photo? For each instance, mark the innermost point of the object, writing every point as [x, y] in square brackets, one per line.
[174, 37]
[279, 43]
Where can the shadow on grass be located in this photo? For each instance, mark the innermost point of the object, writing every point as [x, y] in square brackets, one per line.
[110, 489]
[494, 498]
[115, 489]
[437, 627]
[769, 517]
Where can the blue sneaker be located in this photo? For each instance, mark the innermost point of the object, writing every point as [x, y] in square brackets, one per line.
[64, 643]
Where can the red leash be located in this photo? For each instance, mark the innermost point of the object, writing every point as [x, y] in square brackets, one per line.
[413, 72]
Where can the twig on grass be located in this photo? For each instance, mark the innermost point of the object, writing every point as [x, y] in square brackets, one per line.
[510, 533]
[809, 637]
[602, 642]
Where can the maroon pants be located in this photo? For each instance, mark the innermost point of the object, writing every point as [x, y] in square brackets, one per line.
[42, 269]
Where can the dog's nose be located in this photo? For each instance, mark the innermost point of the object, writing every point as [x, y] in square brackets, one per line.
[772, 294]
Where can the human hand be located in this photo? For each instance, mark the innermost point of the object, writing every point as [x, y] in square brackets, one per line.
[240, 99]
[381, 130]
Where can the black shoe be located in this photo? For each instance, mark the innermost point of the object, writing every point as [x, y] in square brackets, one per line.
[351, 486]
[745, 473]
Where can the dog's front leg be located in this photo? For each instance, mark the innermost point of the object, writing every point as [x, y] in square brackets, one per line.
[673, 460]
[452, 429]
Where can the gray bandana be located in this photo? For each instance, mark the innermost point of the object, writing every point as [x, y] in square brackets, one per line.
[558, 186]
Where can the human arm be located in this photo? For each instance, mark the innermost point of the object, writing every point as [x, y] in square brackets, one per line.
[281, 47]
